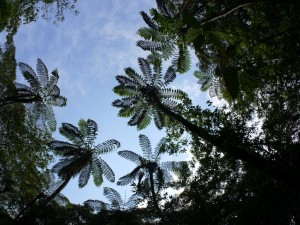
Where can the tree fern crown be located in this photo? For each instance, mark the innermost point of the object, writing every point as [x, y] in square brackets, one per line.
[142, 94]
[81, 156]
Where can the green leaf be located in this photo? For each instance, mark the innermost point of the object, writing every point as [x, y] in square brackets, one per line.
[193, 33]
[230, 76]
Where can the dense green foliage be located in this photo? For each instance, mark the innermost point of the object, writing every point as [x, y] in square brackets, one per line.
[245, 155]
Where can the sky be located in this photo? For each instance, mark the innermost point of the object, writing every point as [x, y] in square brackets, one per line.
[89, 50]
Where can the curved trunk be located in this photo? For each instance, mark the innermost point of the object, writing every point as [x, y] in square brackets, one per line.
[32, 215]
[235, 151]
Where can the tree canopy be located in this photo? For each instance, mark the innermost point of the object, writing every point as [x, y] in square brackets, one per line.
[244, 166]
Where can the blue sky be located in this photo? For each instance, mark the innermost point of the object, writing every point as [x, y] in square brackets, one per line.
[89, 50]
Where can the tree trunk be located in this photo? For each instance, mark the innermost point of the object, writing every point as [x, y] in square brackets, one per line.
[33, 214]
[155, 203]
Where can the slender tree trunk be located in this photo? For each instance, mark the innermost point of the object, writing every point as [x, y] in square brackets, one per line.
[155, 203]
[235, 151]
[32, 215]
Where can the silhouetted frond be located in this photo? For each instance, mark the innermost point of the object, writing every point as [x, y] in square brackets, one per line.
[107, 171]
[23, 88]
[145, 146]
[146, 120]
[58, 101]
[149, 21]
[146, 69]
[165, 9]
[127, 179]
[171, 104]
[97, 171]
[92, 129]
[72, 133]
[170, 75]
[63, 147]
[132, 156]
[135, 76]
[158, 150]
[171, 93]
[182, 61]
[113, 196]
[50, 117]
[97, 205]
[84, 176]
[125, 102]
[42, 72]
[158, 119]
[137, 117]
[107, 146]
[29, 76]
[128, 91]
[150, 45]
[52, 84]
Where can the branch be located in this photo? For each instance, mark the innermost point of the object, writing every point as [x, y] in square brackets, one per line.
[224, 13]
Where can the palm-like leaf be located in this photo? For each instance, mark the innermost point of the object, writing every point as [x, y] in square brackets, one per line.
[82, 156]
[42, 92]
[210, 82]
[116, 202]
[141, 94]
[149, 164]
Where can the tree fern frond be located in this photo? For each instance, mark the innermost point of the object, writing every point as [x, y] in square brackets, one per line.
[72, 133]
[30, 76]
[132, 156]
[171, 93]
[128, 91]
[150, 45]
[135, 76]
[125, 80]
[145, 146]
[149, 21]
[52, 85]
[171, 104]
[158, 118]
[127, 111]
[23, 87]
[55, 91]
[92, 129]
[62, 164]
[158, 150]
[137, 117]
[125, 102]
[42, 72]
[82, 125]
[149, 34]
[62, 200]
[107, 171]
[97, 205]
[165, 9]
[170, 75]
[182, 61]
[97, 172]
[50, 117]
[58, 101]
[113, 196]
[61, 147]
[106, 147]
[84, 176]
[146, 69]
[146, 120]
[127, 179]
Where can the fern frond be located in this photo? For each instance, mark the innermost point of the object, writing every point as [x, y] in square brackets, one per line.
[127, 179]
[42, 72]
[125, 102]
[165, 9]
[92, 129]
[127, 111]
[137, 117]
[158, 150]
[30, 76]
[84, 176]
[146, 69]
[58, 101]
[150, 45]
[106, 147]
[149, 34]
[23, 88]
[146, 120]
[182, 61]
[170, 75]
[61, 147]
[171, 104]
[113, 196]
[50, 117]
[97, 172]
[62, 200]
[145, 146]
[149, 21]
[97, 205]
[132, 156]
[107, 171]
[128, 91]
[171, 93]
[72, 133]
[158, 118]
[52, 84]
[135, 76]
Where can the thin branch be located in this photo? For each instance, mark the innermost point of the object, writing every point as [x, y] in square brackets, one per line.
[224, 13]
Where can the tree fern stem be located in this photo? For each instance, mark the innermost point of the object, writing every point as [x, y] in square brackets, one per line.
[235, 151]
[154, 197]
